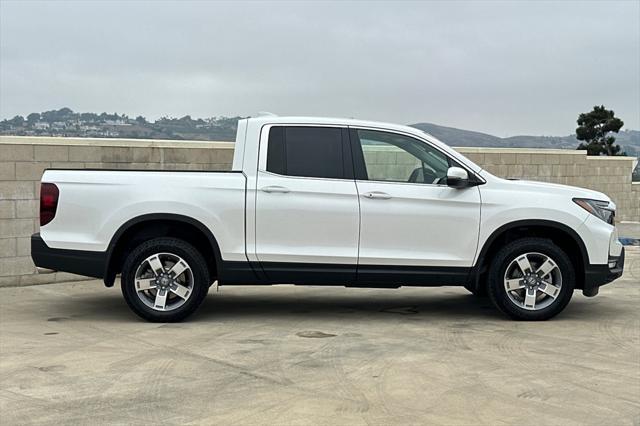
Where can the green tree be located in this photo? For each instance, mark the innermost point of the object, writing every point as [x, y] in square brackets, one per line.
[594, 128]
[88, 117]
[33, 117]
[18, 120]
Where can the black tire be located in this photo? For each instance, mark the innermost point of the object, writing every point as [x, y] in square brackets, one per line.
[180, 248]
[510, 252]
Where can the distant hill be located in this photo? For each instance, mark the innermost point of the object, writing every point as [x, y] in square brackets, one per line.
[66, 122]
[628, 139]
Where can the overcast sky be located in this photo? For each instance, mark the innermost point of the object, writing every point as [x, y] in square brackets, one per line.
[504, 68]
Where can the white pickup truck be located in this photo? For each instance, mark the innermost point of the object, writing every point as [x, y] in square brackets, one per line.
[321, 201]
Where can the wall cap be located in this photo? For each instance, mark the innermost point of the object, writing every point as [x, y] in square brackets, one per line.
[112, 142]
[491, 150]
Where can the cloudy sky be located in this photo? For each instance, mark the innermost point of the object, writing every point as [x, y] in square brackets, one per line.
[505, 68]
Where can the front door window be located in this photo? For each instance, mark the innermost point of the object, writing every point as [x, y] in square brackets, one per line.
[396, 158]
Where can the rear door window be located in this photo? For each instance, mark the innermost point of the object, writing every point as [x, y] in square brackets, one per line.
[318, 152]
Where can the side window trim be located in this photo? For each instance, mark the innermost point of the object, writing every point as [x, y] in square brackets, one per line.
[347, 159]
[359, 165]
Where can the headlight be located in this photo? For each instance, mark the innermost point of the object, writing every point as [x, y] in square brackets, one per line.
[602, 209]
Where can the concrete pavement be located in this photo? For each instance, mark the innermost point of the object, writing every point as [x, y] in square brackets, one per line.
[73, 354]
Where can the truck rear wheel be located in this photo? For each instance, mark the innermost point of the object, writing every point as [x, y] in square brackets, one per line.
[164, 280]
[531, 279]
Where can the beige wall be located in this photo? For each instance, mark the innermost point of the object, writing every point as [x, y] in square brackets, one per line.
[22, 160]
[611, 175]
[634, 205]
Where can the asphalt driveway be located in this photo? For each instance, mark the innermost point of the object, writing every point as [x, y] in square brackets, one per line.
[73, 353]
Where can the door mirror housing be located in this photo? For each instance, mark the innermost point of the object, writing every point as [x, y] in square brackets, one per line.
[457, 177]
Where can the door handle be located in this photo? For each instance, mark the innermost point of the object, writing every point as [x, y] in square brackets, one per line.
[275, 188]
[376, 195]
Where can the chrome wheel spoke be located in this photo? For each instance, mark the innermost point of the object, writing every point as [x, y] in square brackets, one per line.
[161, 299]
[546, 268]
[514, 284]
[530, 298]
[169, 288]
[549, 289]
[145, 283]
[180, 290]
[156, 264]
[524, 264]
[177, 269]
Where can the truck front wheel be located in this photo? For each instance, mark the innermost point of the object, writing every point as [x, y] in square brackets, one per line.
[164, 280]
[531, 279]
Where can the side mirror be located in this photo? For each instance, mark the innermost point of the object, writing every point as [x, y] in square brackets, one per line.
[457, 177]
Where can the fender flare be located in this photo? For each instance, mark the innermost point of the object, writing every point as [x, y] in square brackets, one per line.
[477, 268]
[109, 274]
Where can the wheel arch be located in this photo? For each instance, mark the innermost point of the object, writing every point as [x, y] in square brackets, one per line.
[562, 235]
[155, 225]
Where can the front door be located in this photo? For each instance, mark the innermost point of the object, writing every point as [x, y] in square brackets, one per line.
[410, 219]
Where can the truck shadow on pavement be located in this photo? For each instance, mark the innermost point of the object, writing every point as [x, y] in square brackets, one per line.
[373, 306]
[442, 307]
[377, 306]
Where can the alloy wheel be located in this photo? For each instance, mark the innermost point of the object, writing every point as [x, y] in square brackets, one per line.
[532, 281]
[164, 281]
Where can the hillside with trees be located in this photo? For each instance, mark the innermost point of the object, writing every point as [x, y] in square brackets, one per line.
[67, 123]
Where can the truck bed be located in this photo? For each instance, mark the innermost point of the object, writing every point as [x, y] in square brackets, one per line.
[94, 204]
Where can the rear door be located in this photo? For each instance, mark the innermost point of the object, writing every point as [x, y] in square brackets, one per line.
[307, 209]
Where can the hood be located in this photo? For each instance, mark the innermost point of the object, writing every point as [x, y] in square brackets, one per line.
[546, 187]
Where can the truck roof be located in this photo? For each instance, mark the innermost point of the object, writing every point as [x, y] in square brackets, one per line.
[336, 121]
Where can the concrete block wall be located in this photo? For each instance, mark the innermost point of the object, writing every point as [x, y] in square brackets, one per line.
[610, 175]
[634, 210]
[22, 160]
[389, 162]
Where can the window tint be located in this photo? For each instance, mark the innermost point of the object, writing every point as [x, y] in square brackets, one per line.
[306, 151]
[397, 158]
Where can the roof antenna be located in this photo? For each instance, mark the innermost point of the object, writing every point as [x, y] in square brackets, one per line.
[266, 114]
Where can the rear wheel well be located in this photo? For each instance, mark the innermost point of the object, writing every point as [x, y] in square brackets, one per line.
[558, 235]
[146, 230]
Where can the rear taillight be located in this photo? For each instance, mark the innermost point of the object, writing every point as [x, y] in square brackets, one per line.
[48, 202]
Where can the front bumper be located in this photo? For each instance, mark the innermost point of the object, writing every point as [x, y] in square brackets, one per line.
[596, 276]
[89, 263]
